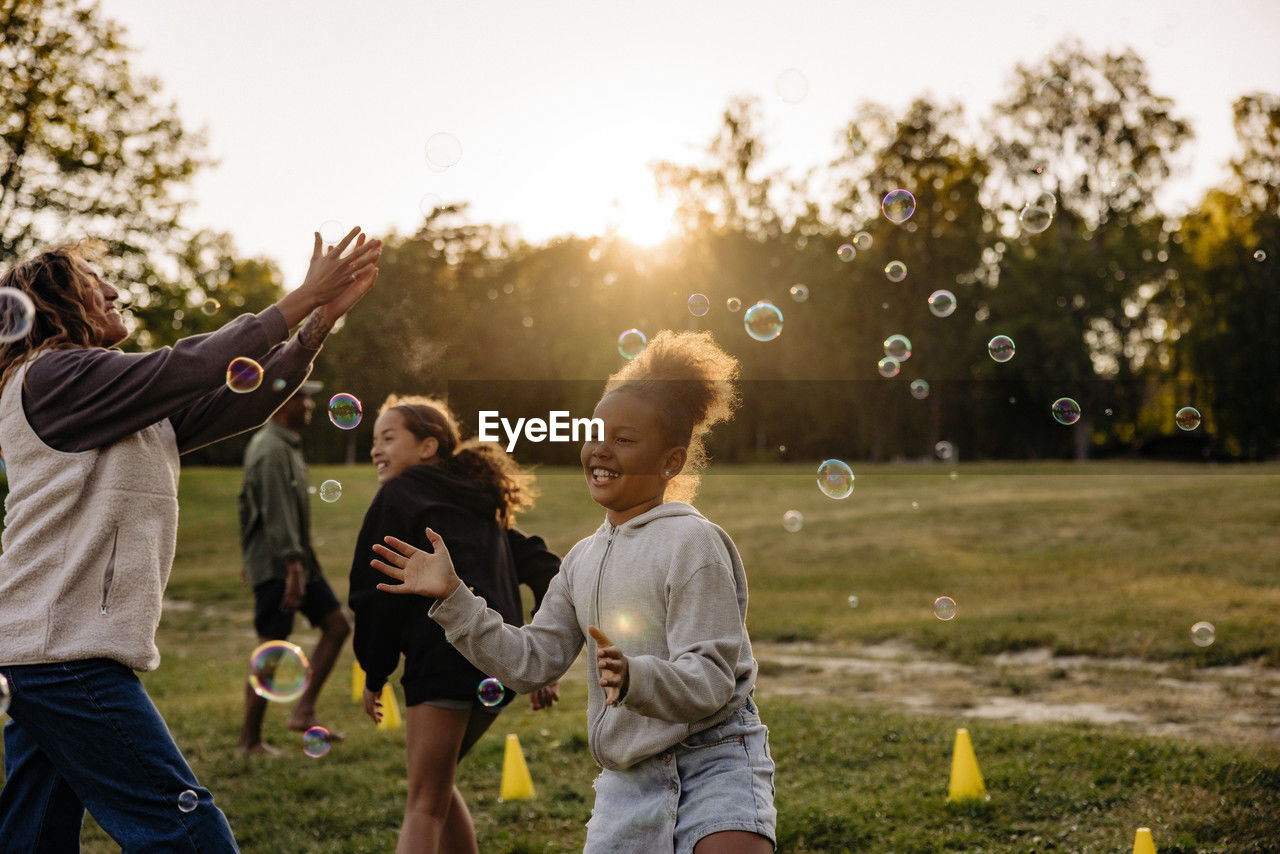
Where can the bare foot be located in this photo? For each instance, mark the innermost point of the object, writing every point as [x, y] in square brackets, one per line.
[259, 749]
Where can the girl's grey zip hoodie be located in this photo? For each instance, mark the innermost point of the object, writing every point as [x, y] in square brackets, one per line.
[669, 590]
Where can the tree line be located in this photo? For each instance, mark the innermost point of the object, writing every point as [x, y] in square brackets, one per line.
[1042, 218]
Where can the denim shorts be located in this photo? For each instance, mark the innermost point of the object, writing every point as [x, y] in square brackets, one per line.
[718, 779]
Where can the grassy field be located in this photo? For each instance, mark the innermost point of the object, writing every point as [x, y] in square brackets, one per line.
[1099, 559]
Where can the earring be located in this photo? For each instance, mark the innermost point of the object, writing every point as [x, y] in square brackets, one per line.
[666, 474]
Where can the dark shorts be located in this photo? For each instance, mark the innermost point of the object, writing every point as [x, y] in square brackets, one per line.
[272, 623]
[436, 673]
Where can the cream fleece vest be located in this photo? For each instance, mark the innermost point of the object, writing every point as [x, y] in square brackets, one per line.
[88, 543]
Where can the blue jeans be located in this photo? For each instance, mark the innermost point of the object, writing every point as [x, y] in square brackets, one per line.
[84, 734]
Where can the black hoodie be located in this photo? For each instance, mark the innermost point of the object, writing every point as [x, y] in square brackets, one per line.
[490, 559]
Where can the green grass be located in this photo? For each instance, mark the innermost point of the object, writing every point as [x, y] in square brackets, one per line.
[1105, 559]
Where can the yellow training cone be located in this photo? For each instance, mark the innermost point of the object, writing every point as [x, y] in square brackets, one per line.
[516, 782]
[966, 779]
[1142, 843]
[390, 709]
[357, 682]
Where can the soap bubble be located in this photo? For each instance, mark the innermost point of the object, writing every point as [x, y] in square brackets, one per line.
[490, 691]
[888, 367]
[316, 742]
[792, 86]
[331, 231]
[631, 342]
[763, 321]
[1187, 418]
[853, 601]
[345, 411]
[330, 491]
[188, 801]
[898, 206]
[210, 306]
[279, 384]
[17, 313]
[243, 375]
[429, 204]
[799, 293]
[1260, 255]
[1056, 89]
[862, 241]
[945, 450]
[835, 479]
[895, 271]
[1202, 633]
[919, 389]
[443, 150]
[846, 252]
[699, 305]
[1001, 348]
[733, 303]
[1034, 219]
[944, 608]
[6, 696]
[793, 521]
[278, 671]
[1066, 411]
[1046, 200]
[898, 347]
[942, 303]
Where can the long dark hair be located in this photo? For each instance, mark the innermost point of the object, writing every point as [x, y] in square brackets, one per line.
[56, 283]
[510, 487]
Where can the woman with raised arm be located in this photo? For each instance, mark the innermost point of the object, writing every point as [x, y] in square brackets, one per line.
[91, 438]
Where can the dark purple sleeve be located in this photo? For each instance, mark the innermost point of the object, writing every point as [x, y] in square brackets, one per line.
[76, 400]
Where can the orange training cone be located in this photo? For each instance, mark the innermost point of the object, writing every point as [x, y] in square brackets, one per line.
[357, 682]
[1142, 843]
[966, 779]
[390, 709]
[516, 782]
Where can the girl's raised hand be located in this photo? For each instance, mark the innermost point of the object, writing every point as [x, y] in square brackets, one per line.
[422, 572]
[613, 667]
[334, 270]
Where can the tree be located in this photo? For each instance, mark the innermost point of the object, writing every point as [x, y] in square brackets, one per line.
[87, 149]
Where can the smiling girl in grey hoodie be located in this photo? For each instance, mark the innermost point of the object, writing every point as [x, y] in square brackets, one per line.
[671, 720]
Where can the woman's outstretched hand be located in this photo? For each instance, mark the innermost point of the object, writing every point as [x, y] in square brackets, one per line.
[339, 275]
[422, 572]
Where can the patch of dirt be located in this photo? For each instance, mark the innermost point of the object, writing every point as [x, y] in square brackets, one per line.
[1238, 704]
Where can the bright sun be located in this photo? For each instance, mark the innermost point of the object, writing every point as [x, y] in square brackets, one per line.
[642, 218]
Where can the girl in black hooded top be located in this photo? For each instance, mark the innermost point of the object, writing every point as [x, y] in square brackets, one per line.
[470, 492]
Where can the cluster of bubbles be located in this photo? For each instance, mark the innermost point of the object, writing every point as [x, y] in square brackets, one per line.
[763, 320]
[793, 521]
[316, 742]
[345, 411]
[243, 375]
[1065, 411]
[278, 671]
[944, 608]
[490, 691]
[631, 343]
[835, 479]
[330, 491]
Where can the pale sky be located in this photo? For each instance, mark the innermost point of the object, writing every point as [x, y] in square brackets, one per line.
[320, 111]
